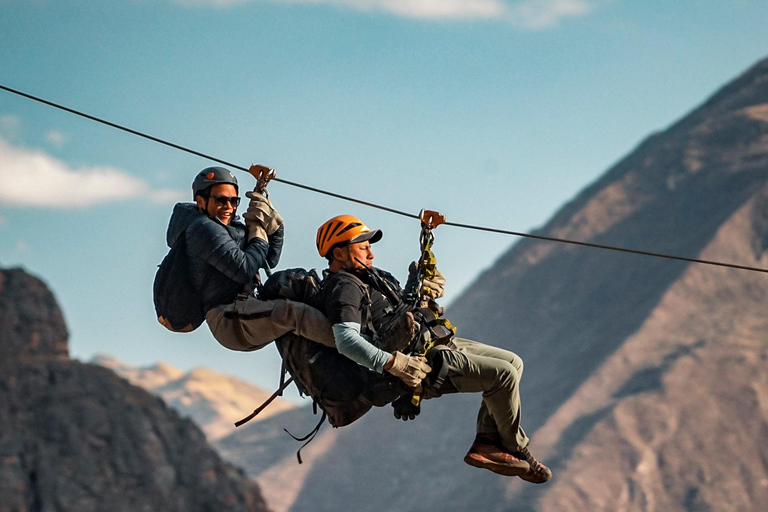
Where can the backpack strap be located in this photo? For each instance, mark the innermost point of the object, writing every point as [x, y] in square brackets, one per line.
[366, 319]
[283, 384]
[309, 437]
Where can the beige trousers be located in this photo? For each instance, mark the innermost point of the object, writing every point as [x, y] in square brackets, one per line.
[474, 367]
[251, 324]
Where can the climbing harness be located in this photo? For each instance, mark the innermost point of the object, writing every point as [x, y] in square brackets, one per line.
[436, 330]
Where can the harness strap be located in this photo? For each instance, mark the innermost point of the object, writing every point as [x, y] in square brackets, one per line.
[283, 384]
[366, 320]
[442, 373]
[309, 437]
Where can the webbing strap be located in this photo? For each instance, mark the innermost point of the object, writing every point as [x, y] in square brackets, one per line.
[309, 437]
[279, 392]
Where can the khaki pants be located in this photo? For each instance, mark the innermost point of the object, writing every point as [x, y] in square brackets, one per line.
[251, 324]
[474, 367]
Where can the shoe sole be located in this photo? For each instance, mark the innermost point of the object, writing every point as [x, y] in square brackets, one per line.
[535, 481]
[478, 461]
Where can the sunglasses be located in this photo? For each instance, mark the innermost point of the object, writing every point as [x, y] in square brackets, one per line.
[223, 200]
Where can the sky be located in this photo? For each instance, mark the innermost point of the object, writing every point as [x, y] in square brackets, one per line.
[493, 112]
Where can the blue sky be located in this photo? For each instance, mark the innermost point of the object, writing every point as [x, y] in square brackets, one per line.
[494, 112]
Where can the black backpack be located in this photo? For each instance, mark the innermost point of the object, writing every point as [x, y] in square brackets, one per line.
[343, 389]
[178, 305]
[295, 284]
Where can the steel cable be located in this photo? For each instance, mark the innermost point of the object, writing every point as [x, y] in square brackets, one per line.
[374, 205]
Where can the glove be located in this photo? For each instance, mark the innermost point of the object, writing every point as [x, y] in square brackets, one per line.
[261, 217]
[275, 247]
[410, 370]
[435, 285]
[404, 408]
[413, 270]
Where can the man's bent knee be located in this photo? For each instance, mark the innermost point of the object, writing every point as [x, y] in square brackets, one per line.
[303, 320]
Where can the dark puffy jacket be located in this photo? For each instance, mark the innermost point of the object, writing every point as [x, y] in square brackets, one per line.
[220, 259]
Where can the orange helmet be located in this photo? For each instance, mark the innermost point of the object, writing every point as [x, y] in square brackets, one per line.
[344, 228]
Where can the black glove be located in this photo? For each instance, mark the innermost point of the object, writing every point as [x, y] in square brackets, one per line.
[404, 408]
[413, 272]
[275, 246]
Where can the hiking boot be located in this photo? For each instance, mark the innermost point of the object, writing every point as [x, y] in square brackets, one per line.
[537, 473]
[486, 453]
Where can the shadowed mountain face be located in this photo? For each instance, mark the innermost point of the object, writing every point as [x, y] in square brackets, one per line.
[212, 400]
[76, 437]
[639, 371]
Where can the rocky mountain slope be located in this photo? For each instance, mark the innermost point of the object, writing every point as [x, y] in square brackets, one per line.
[76, 437]
[645, 384]
[214, 401]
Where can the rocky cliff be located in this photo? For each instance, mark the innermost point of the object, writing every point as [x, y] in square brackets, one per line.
[645, 384]
[76, 437]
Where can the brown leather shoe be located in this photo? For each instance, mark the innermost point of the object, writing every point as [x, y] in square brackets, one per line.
[537, 473]
[486, 455]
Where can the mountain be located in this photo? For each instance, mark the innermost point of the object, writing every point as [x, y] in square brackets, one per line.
[214, 401]
[76, 437]
[645, 384]
[149, 378]
[268, 454]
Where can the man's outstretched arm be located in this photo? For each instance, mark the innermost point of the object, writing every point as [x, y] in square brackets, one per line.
[351, 343]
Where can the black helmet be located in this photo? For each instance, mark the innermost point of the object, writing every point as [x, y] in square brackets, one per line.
[211, 176]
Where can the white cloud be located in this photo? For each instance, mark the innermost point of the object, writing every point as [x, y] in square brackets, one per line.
[532, 14]
[430, 9]
[168, 196]
[9, 126]
[56, 138]
[538, 14]
[32, 178]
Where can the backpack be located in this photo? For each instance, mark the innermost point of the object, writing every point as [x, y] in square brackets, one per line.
[178, 305]
[295, 284]
[343, 389]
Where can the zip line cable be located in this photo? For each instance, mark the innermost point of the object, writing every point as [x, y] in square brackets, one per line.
[378, 206]
[202, 155]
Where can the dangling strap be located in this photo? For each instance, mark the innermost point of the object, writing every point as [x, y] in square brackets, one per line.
[283, 384]
[309, 436]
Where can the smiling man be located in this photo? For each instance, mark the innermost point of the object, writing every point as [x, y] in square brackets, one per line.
[223, 261]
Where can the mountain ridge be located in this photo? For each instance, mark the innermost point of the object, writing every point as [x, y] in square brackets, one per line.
[75, 436]
[215, 401]
[573, 312]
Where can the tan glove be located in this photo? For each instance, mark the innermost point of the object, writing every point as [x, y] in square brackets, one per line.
[261, 217]
[434, 285]
[410, 370]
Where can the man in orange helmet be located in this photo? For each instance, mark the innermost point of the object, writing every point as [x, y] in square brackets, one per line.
[346, 242]
[359, 300]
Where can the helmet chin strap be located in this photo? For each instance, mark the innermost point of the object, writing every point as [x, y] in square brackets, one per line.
[205, 208]
[360, 262]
